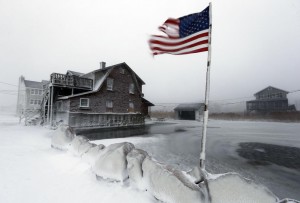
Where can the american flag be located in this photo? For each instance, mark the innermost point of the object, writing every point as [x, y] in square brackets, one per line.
[186, 35]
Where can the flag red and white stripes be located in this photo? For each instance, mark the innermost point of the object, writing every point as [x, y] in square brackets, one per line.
[186, 35]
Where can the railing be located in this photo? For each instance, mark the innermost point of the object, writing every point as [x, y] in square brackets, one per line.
[71, 80]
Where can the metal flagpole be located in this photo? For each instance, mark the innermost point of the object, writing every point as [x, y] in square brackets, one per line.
[205, 119]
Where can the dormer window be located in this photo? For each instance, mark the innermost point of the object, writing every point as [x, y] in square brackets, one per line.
[131, 88]
[109, 84]
[122, 70]
[84, 102]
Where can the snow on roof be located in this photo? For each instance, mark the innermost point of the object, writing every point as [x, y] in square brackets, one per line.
[189, 106]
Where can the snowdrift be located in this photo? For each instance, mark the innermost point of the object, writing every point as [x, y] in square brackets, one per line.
[112, 163]
[62, 137]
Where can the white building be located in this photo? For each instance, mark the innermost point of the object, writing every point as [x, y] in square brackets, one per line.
[30, 95]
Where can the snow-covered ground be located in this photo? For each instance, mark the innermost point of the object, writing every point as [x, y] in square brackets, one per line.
[32, 171]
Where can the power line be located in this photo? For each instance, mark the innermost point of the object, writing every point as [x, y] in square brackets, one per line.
[8, 84]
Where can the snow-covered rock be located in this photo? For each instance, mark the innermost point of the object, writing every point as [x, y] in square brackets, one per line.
[75, 145]
[84, 147]
[170, 185]
[62, 137]
[135, 159]
[232, 188]
[112, 163]
[93, 152]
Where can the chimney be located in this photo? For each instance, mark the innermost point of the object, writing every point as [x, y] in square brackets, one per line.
[102, 65]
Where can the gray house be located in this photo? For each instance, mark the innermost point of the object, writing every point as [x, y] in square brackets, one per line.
[108, 96]
[189, 111]
[270, 99]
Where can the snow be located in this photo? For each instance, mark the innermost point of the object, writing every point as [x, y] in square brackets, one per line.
[91, 155]
[232, 188]
[62, 137]
[111, 163]
[135, 159]
[80, 145]
[170, 185]
[32, 171]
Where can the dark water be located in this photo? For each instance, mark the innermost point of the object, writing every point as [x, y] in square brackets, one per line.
[119, 132]
[266, 154]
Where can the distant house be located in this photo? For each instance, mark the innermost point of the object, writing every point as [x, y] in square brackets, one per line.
[109, 96]
[189, 111]
[270, 99]
[30, 95]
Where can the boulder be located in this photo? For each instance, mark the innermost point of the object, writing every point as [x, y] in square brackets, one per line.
[93, 152]
[232, 188]
[75, 145]
[135, 159]
[112, 163]
[62, 137]
[171, 185]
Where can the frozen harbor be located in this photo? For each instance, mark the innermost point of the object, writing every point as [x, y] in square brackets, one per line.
[32, 171]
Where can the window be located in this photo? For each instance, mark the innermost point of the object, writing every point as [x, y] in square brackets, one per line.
[110, 84]
[31, 101]
[39, 102]
[131, 88]
[40, 92]
[109, 106]
[122, 70]
[131, 106]
[31, 91]
[36, 91]
[84, 102]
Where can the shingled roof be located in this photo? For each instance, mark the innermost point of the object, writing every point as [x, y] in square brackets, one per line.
[33, 84]
[189, 107]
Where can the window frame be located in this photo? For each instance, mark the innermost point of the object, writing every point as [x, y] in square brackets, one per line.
[131, 88]
[88, 103]
[109, 104]
[110, 84]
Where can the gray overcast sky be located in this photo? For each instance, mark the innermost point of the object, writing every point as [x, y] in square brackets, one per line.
[255, 43]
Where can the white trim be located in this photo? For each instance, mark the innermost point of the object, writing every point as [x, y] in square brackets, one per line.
[88, 102]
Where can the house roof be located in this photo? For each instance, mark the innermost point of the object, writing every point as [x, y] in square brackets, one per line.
[33, 84]
[272, 88]
[147, 102]
[106, 71]
[189, 106]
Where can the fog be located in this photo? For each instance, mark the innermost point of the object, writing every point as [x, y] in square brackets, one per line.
[254, 44]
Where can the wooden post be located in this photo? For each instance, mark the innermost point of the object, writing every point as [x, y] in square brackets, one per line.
[207, 86]
[51, 107]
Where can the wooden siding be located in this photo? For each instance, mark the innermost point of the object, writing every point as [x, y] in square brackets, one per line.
[119, 95]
